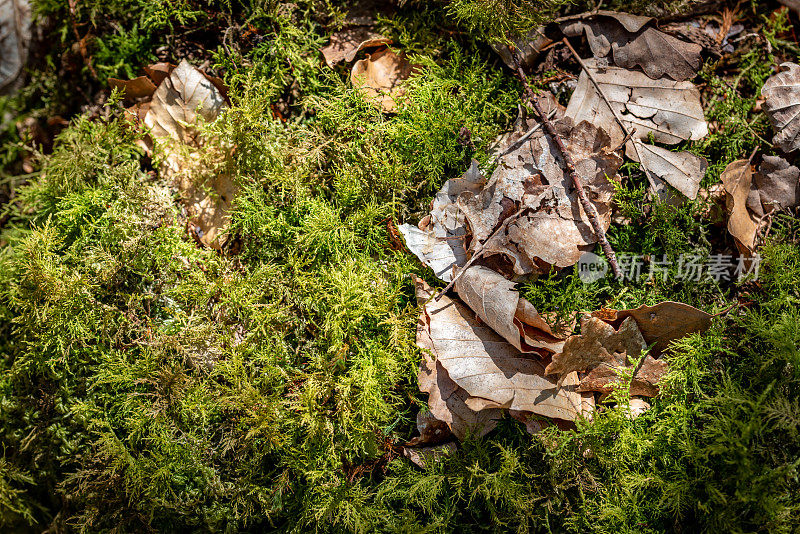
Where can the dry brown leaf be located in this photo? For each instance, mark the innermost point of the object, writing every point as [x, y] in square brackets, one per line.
[737, 178]
[140, 87]
[489, 369]
[499, 305]
[439, 239]
[601, 351]
[782, 105]
[662, 323]
[554, 230]
[158, 72]
[344, 45]
[597, 343]
[682, 170]
[15, 37]
[668, 109]
[658, 54]
[379, 77]
[637, 406]
[777, 184]
[431, 430]
[634, 42]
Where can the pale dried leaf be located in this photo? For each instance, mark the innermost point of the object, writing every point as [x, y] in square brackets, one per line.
[737, 180]
[485, 366]
[15, 38]
[184, 96]
[499, 305]
[782, 105]
[344, 45]
[682, 170]
[379, 77]
[605, 377]
[637, 406]
[662, 323]
[668, 109]
[439, 240]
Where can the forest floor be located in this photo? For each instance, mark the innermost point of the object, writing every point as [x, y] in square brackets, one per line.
[209, 315]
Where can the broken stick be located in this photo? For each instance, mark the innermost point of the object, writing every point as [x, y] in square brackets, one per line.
[588, 207]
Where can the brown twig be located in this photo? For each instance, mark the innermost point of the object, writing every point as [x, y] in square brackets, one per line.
[588, 207]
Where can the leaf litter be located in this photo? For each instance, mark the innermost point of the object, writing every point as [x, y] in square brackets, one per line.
[489, 351]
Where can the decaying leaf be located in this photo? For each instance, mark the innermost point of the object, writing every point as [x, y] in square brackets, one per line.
[737, 180]
[380, 76]
[669, 110]
[601, 351]
[439, 239]
[15, 37]
[431, 430]
[634, 42]
[553, 230]
[637, 406]
[424, 456]
[782, 105]
[776, 186]
[489, 369]
[499, 305]
[182, 97]
[658, 54]
[682, 170]
[344, 45]
[662, 323]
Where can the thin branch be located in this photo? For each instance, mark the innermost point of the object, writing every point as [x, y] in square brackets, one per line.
[588, 207]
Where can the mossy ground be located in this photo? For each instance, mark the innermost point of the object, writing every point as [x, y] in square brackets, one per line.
[149, 384]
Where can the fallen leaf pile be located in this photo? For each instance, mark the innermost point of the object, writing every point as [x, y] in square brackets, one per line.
[170, 100]
[489, 351]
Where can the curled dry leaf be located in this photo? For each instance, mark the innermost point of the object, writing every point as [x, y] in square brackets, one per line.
[634, 42]
[668, 109]
[601, 352]
[737, 178]
[662, 323]
[140, 87]
[682, 170]
[776, 186]
[499, 305]
[439, 239]
[528, 48]
[379, 77]
[182, 98]
[490, 370]
[344, 45]
[782, 105]
[15, 38]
